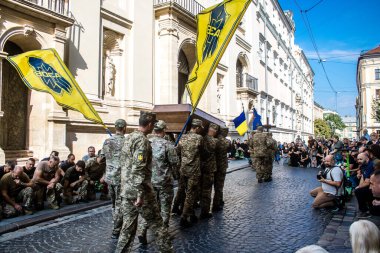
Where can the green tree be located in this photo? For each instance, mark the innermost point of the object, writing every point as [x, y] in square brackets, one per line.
[322, 128]
[335, 122]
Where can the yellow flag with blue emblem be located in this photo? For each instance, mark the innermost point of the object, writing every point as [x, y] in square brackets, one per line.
[44, 70]
[216, 26]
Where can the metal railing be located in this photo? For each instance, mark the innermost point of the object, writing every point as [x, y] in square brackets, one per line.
[57, 6]
[251, 82]
[191, 6]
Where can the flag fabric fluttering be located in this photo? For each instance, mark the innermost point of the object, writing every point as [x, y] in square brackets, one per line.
[216, 26]
[256, 120]
[44, 70]
[241, 124]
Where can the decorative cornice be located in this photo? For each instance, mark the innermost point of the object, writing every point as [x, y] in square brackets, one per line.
[222, 67]
[243, 43]
[122, 21]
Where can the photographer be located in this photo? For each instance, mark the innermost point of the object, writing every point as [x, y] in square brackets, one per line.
[331, 180]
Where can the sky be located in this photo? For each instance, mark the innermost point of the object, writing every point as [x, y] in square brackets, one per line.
[342, 29]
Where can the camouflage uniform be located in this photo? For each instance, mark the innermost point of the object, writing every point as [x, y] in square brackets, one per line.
[135, 162]
[18, 193]
[189, 149]
[260, 154]
[222, 147]
[112, 150]
[94, 172]
[271, 150]
[208, 169]
[164, 161]
[250, 145]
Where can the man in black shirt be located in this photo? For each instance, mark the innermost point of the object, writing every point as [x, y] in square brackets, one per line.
[74, 183]
[29, 167]
[64, 165]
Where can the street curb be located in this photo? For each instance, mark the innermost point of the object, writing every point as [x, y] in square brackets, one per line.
[46, 217]
[335, 237]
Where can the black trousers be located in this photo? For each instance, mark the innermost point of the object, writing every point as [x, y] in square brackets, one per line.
[365, 198]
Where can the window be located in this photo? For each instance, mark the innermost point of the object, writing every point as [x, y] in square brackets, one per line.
[261, 47]
[239, 74]
[377, 74]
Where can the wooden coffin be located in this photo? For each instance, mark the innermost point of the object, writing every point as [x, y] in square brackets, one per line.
[175, 116]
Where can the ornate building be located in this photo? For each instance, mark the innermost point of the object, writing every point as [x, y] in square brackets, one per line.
[368, 84]
[130, 55]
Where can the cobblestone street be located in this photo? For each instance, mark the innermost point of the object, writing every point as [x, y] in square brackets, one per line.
[268, 217]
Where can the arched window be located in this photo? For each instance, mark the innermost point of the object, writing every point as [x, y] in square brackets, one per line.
[239, 74]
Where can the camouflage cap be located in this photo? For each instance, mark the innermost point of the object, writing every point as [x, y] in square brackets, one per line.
[120, 123]
[148, 116]
[214, 126]
[197, 123]
[160, 125]
[224, 131]
[260, 129]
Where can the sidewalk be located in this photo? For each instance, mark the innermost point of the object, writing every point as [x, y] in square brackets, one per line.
[13, 224]
[336, 236]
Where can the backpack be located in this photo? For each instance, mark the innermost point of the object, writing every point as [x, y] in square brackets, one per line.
[347, 190]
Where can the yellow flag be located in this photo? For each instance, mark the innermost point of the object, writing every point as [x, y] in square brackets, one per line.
[216, 26]
[44, 70]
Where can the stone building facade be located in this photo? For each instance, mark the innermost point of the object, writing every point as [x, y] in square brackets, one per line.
[368, 84]
[130, 55]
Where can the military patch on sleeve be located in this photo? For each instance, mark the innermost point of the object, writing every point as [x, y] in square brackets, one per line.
[140, 157]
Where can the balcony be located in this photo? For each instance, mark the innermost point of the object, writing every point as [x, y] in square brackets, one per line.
[192, 7]
[248, 85]
[58, 6]
[55, 11]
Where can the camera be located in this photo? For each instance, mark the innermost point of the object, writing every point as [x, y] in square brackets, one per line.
[321, 174]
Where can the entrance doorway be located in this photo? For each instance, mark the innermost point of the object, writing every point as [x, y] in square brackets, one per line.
[14, 103]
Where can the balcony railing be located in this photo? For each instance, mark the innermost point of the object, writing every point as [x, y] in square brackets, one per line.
[191, 6]
[57, 6]
[251, 82]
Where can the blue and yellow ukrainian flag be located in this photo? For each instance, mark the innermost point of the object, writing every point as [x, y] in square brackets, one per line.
[44, 70]
[241, 124]
[216, 26]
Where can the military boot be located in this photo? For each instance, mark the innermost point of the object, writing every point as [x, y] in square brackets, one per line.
[184, 223]
[142, 237]
[193, 219]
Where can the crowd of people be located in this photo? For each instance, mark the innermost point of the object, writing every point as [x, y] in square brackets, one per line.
[24, 189]
[137, 172]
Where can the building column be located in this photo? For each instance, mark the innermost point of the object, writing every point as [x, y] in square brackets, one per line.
[3, 55]
[167, 61]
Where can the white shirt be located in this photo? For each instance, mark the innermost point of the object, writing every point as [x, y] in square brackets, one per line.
[337, 175]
